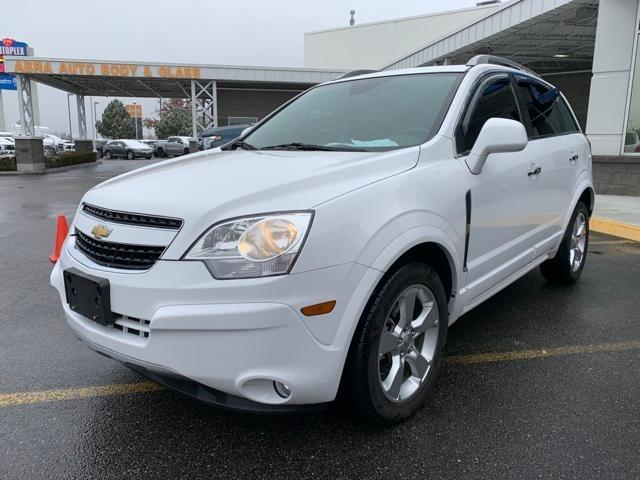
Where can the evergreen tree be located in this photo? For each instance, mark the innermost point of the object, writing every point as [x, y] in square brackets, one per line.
[116, 122]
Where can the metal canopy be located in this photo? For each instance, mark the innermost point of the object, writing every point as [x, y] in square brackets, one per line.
[546, 36]
[199, 83]
[151, 79]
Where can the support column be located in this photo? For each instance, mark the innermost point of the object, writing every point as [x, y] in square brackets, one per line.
[3, 125]
[194, 123]
[25, 105]
[612, 73]
[82, 117]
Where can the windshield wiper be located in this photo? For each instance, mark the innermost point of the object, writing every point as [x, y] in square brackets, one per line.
[239, 144]
[311, 147]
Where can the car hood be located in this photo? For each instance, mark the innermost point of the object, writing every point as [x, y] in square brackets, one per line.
[208, 187]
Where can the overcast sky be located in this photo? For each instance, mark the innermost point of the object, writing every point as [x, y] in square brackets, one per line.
[249, 32]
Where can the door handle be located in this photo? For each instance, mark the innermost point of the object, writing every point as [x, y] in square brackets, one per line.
[573, 159]
[534, 171]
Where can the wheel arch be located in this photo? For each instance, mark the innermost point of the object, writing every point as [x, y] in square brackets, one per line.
[588, 197]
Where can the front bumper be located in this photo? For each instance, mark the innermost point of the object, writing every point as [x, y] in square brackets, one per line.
[234, 336]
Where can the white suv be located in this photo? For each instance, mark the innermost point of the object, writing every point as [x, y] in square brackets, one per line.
[326, 251]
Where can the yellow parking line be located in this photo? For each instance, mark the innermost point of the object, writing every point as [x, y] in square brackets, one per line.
[541, 353]
[44, 396]
[23, 398]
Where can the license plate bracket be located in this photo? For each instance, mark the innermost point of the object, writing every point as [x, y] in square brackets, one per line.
[88, 296]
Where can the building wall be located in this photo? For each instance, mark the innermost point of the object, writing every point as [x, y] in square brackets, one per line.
[616, 175]
[243, 103]
[612, 70]
[374, 45]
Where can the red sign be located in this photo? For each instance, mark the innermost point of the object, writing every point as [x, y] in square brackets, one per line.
[7, 42]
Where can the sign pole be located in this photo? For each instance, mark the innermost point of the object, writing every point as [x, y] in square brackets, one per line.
[3, 125]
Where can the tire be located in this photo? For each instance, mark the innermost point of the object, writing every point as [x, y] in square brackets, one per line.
[186, 151]
[161, 153]
[108, 155]
[130, 155]
[381, 346]
[148, 157]
[565, 268]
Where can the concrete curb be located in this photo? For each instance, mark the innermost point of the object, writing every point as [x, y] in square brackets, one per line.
[54, 170]
[615, 228]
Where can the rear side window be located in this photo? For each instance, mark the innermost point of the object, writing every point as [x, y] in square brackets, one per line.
[495, 99]
[548, 113]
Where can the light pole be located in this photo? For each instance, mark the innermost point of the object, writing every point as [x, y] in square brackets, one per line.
[95, 120]
[69, 109]
[135, 118]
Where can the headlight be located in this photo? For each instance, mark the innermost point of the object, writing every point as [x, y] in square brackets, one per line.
[256, 246]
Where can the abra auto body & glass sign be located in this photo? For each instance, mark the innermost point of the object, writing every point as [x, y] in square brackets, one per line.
[9, 46]
[106, 69]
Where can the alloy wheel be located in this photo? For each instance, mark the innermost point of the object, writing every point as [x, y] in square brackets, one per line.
[408, 343]
[578, 242]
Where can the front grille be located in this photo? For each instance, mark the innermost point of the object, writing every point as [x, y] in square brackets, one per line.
[118, 255]
[132, 218]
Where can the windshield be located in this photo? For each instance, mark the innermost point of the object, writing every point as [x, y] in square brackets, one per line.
[379, 113]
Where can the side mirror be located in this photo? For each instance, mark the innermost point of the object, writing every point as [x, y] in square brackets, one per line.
[498, 135]
[245, 131]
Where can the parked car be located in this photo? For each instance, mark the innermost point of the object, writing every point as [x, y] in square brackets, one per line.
[53, 142]
[8, 135]
[98, 146]
[159, 148]
[326, 252]
[631, 142]
[68, 147]
[215, 137]
[129, 149]
[177, 146]
[7, 147]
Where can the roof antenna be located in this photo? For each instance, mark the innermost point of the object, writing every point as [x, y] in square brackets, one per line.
[352, 21]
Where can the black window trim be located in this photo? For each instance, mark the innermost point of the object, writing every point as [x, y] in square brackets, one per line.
[522, 103]
[472, 99]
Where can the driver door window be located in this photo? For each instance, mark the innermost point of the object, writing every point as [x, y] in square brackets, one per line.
[493, 99]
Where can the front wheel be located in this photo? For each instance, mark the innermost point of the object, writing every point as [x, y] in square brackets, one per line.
[107, 155]
[396, 350]
[130, 155]
[566, 267]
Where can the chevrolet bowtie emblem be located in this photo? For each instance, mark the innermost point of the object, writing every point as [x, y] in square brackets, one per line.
[100, 231]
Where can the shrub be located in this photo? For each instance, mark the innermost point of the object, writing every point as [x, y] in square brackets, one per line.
[8, 164]
[69, 158]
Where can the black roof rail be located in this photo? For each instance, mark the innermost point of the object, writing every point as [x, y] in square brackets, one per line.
[483, 59]
[355, 73]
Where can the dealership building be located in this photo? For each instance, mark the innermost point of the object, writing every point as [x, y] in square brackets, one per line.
[587, 48]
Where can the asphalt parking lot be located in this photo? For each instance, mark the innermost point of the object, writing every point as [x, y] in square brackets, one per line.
[539, 382]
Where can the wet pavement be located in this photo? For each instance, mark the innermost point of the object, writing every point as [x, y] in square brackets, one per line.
[572, 414]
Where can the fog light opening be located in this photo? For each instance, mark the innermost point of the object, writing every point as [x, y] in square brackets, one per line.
[281, 389]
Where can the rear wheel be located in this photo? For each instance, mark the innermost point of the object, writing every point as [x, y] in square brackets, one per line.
[161, 153]
[396, 350]
[566, 267]
[130, 155]
[185, 151]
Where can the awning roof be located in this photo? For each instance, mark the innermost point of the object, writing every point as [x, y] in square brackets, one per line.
[151, 79]
[535, 33]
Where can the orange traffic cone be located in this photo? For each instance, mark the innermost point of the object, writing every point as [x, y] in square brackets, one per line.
[61, 233]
